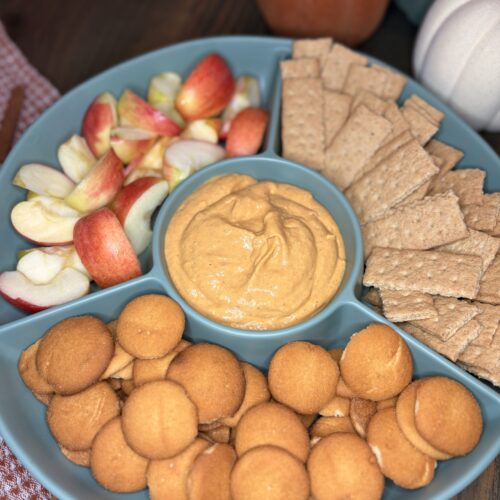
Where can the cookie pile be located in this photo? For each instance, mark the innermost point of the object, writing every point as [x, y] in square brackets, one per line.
[430, 232]
[143, 408]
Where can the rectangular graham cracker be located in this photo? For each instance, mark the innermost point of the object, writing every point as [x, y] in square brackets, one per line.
[432, 113]
[493, 376]
[453, 347]
[476, 243]
[433, 221]
[489, 319]
[467, 184]
[302, 130]
[391, 181]
[311, 48]
[485, 358]
[364, 77]
[372, 296]
[354, 144]
[300, 68]
[394, 84]
[336, 66]
[385, 151]
[427, 271]
[374, 103]
[447, 153]
[406, 306]
[417, 195]
[480, 217]
[452, 314]
[399, 123]
[421, 127]
[489, 288]
[336, 112]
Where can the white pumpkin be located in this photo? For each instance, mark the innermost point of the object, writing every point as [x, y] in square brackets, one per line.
[457, 56]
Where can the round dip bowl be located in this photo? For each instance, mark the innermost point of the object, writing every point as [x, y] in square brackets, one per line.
[258, 346]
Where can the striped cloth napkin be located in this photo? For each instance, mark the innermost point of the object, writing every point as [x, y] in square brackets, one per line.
[15, 480]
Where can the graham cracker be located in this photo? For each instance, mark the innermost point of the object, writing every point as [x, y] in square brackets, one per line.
[337, 109]
[484, 358]
[417, 195]
[452, 314]
[315, 48]
[354, 144]
[336, 66]
[433, 221]
[476, 243]
[433, 114]
[405, 306]
[302, 129]
[488, 318]
[453, 347]
[467, 184]
[399, 123]
[489, 288]
[394, 84]
[374, 103]
[372, 296]
[447, 153]
[421, 127]
[480, 217]
[364, 77]
[300, 68]
[385, 151]
[391, 181]
[427, 271]
[493, 377]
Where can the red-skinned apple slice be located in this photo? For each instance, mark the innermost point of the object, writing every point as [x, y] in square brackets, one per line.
[104, 248]
[186, 156]
[153, 158]
[45, 221]
[247, 132]
[98, 121]
[134, 206]
[204, 129]
[99, 186]
[67, 285]
[130, 143]
[75, 158]
[136, 112]
[43, 180]
[139, 173]
[207, 90]
[246, 95]
[163, 89]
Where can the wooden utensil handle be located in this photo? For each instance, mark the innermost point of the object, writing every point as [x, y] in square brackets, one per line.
[10, 120]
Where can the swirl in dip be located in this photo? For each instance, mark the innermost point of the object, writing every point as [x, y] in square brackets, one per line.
[254, 255]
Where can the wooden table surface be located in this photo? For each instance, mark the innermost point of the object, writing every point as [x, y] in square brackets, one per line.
[70, 41]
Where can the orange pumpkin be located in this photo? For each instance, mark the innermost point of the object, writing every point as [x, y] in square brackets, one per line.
[347, 21]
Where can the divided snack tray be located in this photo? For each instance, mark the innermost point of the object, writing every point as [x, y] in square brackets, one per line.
[22, 417]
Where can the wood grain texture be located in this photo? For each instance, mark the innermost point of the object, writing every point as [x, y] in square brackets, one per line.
[70, 41]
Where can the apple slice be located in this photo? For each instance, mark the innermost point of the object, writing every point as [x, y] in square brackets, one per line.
[139, 173]
[204, 129]
[99, 186]
[104, 248]
[186, 156]
[75, 158]
[67, 285]
[45, 221]
[134, 206]
[247, 132]
[41, 265]
[43, 180]
[136, 112]
[130, 143]
[207, 90]
[246, 95]
[163, 89]
[98, 121]
[153, 157]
